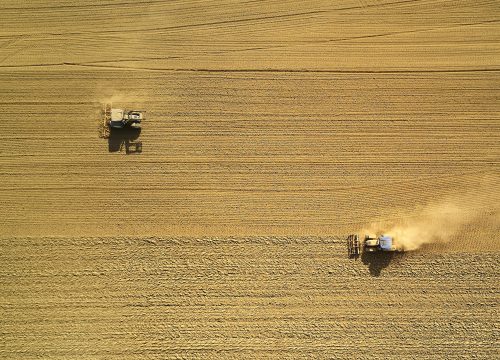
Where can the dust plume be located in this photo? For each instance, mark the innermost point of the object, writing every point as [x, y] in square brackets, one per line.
[122, 96]
[442, 221]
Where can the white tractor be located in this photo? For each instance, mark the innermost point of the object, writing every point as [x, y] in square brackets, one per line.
[121, 118]
[371, 244]
[122, 128]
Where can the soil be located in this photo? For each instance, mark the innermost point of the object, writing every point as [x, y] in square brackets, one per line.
[273, 130]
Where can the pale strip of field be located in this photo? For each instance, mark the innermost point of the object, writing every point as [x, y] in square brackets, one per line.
[243, 153]
[281, 35]
[130, 298]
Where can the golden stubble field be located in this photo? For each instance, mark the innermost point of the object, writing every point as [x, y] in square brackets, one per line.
[274, 129]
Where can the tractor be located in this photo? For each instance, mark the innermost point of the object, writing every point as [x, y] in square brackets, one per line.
[371, 244]
[122, 128]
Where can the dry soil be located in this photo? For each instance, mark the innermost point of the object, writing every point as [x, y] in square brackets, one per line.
[274, 129]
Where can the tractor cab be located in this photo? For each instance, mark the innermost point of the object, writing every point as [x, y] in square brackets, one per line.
[134, 115]
[378, 243]
[121, 118]
[386, 243]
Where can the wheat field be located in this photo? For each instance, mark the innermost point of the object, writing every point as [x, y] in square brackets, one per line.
[274, 129]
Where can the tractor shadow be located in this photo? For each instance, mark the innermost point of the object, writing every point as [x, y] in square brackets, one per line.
[126, 137]
[377, 261]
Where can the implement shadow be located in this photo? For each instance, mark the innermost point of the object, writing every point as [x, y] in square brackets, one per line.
[379, 260]
[122, 137]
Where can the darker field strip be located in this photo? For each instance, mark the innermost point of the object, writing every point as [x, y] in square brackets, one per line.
[255, 296]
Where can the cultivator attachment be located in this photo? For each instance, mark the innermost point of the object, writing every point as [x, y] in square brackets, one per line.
[353, 246]
[104, 124]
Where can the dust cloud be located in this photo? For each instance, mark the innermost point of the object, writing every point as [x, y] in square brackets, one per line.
[122, 98]
[129, 97]
[442, 221]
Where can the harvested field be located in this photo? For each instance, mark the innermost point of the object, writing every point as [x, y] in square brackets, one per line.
[273, 130]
